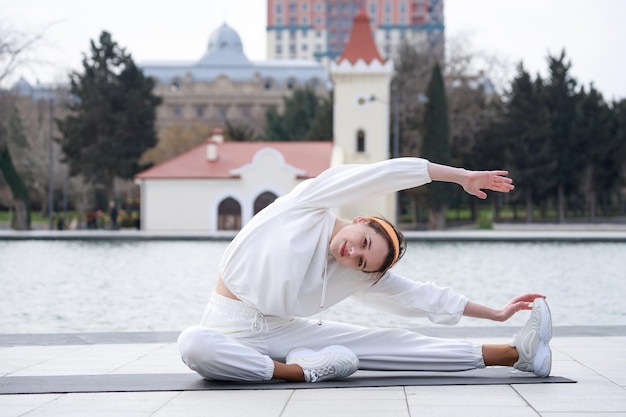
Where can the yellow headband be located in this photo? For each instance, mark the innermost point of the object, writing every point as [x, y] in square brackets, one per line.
[392, 235]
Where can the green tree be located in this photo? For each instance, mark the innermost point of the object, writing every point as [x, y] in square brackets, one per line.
[303, 112]
[14, 133]
[594, 132]
[408, 86]
[322, 125]
[239, 132]
[436, 148]
[528, 129]
[618, 111]
[560, 97]
[111, 120]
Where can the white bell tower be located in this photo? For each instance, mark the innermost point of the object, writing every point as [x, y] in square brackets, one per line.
[361, 81]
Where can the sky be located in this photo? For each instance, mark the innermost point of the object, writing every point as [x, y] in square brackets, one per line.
[592, 33]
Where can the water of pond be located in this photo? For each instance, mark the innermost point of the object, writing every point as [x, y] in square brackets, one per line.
[82, 286]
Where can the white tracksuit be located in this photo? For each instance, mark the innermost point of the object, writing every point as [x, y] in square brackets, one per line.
[280, 268]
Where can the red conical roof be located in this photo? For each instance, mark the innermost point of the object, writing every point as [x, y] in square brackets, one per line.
[361, 42]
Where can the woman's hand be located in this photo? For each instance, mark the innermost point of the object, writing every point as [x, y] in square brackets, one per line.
[523, 302]
[476, 181]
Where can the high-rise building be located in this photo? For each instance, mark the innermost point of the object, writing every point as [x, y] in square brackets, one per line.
[319, 29]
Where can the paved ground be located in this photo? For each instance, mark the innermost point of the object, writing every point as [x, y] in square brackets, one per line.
[594, 356]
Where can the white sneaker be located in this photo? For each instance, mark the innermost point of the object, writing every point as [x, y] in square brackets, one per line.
[332, 362]
[532, 341]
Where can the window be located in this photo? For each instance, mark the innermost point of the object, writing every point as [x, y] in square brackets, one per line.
[199, 111]
[279, 49]
[360, 141]
[263, 201]
[279, 35]
[229, 215]
[291, 84]
[177, 111]
[269, 84]
[175, 84]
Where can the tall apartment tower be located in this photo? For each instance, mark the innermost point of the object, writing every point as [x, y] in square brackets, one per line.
[318, 29]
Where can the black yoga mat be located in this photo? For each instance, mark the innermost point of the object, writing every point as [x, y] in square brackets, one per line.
[193, 382]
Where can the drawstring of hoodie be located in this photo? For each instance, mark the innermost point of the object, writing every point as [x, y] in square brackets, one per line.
[323, 300]
[259, 324]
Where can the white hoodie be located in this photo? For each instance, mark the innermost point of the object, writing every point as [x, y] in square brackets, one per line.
[280, 263]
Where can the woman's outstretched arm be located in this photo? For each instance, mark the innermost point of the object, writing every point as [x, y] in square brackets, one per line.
[473, 182]
[523, 302]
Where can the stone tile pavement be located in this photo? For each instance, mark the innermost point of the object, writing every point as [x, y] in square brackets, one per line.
[594, 356]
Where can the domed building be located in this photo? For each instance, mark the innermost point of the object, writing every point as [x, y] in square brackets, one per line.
[224, 85]
[220, 185]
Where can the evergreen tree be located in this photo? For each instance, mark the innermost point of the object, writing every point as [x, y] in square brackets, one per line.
[298, 120]
[435, 147]
[111, 120]
[619, 125]
[322, 125]
[239, 132]
[593, 132]
[560, 97]
[14, 133]
[527, 127]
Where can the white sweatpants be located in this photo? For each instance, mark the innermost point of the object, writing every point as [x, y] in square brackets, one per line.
[236, 342]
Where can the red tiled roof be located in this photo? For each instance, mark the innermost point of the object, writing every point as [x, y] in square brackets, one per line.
[361, 43]
[310, 157]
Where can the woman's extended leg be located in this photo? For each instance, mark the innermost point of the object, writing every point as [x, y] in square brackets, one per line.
[376, 348]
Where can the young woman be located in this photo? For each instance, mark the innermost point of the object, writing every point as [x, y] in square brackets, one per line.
[295, 258]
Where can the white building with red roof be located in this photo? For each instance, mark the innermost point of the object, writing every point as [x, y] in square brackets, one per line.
[221, 185]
